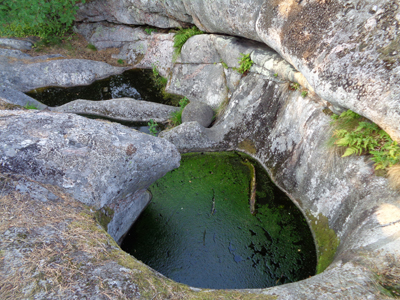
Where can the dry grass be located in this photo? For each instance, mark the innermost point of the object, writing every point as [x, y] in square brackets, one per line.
[394, 176]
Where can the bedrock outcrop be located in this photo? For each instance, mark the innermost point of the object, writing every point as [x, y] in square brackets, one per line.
[21, 73]
[101, 164]
[347, 50]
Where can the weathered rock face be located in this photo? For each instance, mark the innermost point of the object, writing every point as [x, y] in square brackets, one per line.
[205, 71]
[342, 198]
[287, 134]
[347, 50]
[98, 163]
[138, 48]
[122, 109]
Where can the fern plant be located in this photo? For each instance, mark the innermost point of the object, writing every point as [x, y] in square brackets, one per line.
[245, 63]
[360, 136]
[181, 37]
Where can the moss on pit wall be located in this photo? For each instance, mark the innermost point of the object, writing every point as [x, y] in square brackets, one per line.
[104, 216]
[326, 239]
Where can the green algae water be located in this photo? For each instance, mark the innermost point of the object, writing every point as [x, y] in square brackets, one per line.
[199, 229]
[138, 84]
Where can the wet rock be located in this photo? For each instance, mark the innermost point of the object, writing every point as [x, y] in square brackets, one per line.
[122, 109]
[199, 112]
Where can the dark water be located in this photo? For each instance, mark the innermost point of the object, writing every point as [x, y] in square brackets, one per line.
[198, 229]
[138, 84]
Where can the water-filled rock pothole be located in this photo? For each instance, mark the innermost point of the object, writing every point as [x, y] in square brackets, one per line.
[139, 84]
[199, 229]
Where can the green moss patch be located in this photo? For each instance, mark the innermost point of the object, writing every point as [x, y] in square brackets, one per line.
[104, 216]
[326, 239]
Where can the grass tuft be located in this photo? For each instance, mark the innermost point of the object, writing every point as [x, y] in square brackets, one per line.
[176, 117]
[91, 47]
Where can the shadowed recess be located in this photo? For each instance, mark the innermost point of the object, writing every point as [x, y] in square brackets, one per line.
[138, 84]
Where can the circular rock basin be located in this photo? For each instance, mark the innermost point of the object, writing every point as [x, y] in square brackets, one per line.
[201, 228]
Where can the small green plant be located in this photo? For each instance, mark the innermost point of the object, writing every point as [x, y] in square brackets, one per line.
[30, 106]
[224, 64]
[276, 75]
[42, 18]
[181, 37]
[304, 94]
[120, 61]
[245, 63]
[150, 30]
[359, 136]
[294, 86]
[176, 117]
[153, 127]
[91, 47]
[160, 81]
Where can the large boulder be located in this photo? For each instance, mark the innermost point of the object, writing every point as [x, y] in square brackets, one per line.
[347, 50]
[101, 164]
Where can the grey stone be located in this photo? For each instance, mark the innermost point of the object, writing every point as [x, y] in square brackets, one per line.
[199, 112]
[98, 163]
[11, 95]
[288, 134]
[16, 44]
[127, 12]
[199, 83]
[128, 212]
[13, 53]
[62, 72]
[122, 109]
[104, 35]
[337, 50]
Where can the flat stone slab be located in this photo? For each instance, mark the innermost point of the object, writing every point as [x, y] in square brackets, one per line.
[122, 109]
[16, 44]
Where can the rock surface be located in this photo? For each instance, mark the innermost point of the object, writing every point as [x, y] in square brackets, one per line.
[20, 73]
[199, 112]
[122, 109]
[207, 72]
[287, 134]
[347, 50]
[98, 163]
[139, 49]
[16, 44]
